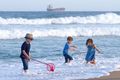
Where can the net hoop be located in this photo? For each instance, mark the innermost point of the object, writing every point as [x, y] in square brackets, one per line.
[50, 67]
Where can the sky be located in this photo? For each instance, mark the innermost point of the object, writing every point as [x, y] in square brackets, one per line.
[70, 5]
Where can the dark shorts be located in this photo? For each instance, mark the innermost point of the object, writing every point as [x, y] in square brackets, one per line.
[25, 63]
[67, 58]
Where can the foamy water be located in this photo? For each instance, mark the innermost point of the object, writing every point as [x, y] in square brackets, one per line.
[50, 35]
[77, 70]
[11, 66]
[54, 31]
[107, 18]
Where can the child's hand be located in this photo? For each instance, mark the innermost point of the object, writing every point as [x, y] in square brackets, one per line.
[28, 58]
[72, 49]
[99, 51]
[74, 46]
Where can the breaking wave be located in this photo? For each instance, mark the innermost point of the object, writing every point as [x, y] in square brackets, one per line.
[107, 18]
[84, 31]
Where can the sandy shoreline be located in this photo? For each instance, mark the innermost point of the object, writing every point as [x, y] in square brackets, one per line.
[113, 76]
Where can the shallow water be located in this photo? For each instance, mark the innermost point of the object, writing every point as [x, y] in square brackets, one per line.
[49, 49]
[50, 32]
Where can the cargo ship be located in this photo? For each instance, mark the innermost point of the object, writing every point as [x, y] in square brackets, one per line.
[50, 8]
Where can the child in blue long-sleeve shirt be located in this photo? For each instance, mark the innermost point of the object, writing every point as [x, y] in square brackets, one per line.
[68, 47]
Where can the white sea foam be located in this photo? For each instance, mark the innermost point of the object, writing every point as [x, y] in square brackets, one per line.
[38, 71]
[11, 67]
[107, 18]
[83, 31]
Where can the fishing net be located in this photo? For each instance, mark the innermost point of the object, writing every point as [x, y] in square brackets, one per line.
[50, 67]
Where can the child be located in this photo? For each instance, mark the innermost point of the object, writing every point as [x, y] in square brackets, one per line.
[90, 56]
[25, 51]
[68, 46]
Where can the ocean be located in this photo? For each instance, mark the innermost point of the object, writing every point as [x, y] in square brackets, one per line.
[50, 30]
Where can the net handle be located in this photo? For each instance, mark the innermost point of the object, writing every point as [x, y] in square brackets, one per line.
[50, 65]
[40, 61]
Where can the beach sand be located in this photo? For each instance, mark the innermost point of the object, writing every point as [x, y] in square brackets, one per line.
[113, 76]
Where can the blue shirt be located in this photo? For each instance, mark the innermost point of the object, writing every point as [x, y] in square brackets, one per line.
[66, 48]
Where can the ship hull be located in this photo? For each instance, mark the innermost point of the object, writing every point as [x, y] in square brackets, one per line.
[57, 9]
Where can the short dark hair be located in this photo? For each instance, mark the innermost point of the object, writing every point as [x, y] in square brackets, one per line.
[69, 38]
[89, 40]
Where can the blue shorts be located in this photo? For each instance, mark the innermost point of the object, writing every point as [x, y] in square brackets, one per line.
[67, 58]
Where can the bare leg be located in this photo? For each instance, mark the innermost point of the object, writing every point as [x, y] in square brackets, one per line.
[70, 61]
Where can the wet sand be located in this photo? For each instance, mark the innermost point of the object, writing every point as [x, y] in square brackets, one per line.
[113, 76]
